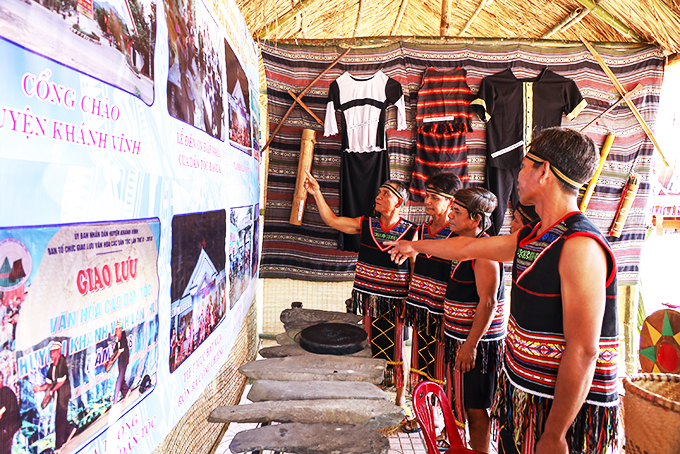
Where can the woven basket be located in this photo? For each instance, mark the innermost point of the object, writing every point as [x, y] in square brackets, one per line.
[652, 414]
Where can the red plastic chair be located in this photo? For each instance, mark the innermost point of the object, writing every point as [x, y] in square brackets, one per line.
[424, 408]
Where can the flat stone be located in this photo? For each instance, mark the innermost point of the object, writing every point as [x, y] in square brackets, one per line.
[288, 338]
[371, 413]
[316, 367]
[302, 318]
[281, 351]
[311, 439]
[268, 390]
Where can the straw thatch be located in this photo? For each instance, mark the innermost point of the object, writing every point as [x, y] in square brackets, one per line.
[656, 21]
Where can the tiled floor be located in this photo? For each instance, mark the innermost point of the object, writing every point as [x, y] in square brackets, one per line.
[400, 442]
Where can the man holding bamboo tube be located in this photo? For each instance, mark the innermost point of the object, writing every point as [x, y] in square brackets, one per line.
[380, 285]
[558, 391]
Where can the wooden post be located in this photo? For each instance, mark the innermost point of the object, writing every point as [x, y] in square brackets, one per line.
[630, 321]
[304, 165]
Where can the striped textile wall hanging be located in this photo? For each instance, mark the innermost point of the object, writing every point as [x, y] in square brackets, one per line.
[310, 251]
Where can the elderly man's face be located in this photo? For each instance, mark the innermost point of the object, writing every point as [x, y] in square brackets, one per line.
[55, 354]
[119, 332]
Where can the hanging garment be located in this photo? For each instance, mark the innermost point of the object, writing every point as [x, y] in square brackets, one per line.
[362, 103]
[514, 111]
[443, 118]
[535, 343]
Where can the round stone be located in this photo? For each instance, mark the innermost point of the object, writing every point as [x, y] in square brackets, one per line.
[333, 338]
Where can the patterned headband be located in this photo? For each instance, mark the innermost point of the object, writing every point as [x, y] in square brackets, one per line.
[392, 190]
[431, 190]
[558, 173]
[459, 203]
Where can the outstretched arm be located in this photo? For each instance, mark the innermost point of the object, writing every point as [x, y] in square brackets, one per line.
[583, 273]
[495, 248]
[344, 224]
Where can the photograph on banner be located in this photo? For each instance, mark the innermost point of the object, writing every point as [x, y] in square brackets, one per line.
[79, 333]
[197, 263]
[240, 249]
[239, 102]
[255, 121]
[195, 67]
[256, 224]
[110, 40]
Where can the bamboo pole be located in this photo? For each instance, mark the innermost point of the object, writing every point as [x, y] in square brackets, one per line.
[622, 92]
[304, 106]
[627, 197]
[304, 165]
[400, 16]
[445, 18]
[631, 301]
[443, 40]
[593, 181]
[563, 23]
[360, 15]
[483, 4]
[610, 20]
[626, 98]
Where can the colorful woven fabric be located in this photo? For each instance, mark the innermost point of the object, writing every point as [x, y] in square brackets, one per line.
[310, 251]
[536, 342]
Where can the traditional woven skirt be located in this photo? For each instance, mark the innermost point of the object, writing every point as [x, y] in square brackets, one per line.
[385, 329]
[521, 417]
[427, 349]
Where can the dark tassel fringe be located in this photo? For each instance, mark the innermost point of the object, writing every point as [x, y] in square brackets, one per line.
[487, 350]
[458, 126]
[421, 318]
[376, 306]
[594, 431]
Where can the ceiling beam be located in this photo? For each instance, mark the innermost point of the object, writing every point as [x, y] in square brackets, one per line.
[400, 16]
[483, 4]
[376, 40]
[360, 15]
[610, 20]
[567, 22]
[291, 14]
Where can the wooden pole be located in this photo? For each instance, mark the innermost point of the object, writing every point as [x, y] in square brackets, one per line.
[610, 108]
[593, 181]
[483, 4]
[304, 106]
[631, 301]
[622, 92]
[445, 18]
[302, 93]
[304, 165]
[609, 19]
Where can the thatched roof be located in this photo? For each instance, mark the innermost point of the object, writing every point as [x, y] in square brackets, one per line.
[655, 21]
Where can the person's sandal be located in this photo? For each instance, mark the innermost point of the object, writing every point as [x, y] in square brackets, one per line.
[411, 426]
[443, 445]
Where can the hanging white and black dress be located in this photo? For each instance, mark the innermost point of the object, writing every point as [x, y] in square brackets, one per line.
[365, 163]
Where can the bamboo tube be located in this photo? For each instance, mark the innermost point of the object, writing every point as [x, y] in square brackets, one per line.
[304, 165]
[593, 181]
[627, 198]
